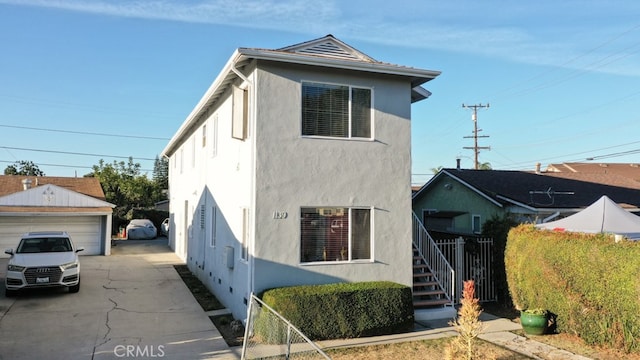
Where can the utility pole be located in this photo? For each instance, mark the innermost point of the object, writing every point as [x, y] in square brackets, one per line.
[474, 117]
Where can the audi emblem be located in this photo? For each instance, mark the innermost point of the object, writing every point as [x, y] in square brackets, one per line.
[42, 270]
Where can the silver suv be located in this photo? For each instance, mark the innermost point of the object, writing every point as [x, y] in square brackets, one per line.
[43, 259]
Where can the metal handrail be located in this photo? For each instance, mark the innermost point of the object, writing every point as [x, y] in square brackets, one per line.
[442, 271]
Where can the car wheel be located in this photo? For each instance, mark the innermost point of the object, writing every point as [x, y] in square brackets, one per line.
[75, 288]
[10, 293]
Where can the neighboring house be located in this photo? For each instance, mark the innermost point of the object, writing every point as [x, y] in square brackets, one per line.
[459, 201]
[43, 203]
[618, 174]
[295, 168]
[162, 205]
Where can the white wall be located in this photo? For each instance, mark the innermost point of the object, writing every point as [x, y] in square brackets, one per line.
[220, 180]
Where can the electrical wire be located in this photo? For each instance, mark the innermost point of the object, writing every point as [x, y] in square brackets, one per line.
[85, 132]
[65, 166]
[75, 153]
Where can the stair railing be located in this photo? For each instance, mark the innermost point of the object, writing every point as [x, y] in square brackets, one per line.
[433, 257]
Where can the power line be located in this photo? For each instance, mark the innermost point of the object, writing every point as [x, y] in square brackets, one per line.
[85, 132]
[75, 153]
[65, 166]
[575, 73]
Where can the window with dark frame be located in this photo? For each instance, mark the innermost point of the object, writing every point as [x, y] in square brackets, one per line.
[335, 234]
[336, 110]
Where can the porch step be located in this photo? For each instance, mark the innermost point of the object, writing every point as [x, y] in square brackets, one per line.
[430, 303]
[428, 293]
[424, 284]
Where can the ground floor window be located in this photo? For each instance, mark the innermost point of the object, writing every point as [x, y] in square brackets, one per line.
[335, 234]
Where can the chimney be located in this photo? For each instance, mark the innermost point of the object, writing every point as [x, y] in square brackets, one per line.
[458, 163]
[26, 184]
[537, 168]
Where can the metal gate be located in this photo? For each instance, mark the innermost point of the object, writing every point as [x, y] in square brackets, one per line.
[472, 259]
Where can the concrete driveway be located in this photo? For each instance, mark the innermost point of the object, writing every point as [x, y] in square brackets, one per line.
[131, 304]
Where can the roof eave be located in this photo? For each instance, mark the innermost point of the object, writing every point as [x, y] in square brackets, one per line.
[207, 99]
[418, 76]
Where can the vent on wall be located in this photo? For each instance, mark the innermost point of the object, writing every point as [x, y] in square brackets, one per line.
[202, 216]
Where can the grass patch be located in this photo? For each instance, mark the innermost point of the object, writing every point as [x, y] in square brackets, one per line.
[425, 349]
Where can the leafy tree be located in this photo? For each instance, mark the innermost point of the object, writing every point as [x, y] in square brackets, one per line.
[23, 167]
[125, 186]
[436, 170]
[161, 173]
[484, 166]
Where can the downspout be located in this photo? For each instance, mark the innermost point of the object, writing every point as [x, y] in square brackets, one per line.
[240, 74]
[252, 133]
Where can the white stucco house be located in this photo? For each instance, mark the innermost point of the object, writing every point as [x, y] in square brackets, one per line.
[49, 203]
[295, 168]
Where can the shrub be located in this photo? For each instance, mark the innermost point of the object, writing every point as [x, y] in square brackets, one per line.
[468, 326]
[588, 283]
[343, 310]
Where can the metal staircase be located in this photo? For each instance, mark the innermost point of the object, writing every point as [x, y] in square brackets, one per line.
[433, 276]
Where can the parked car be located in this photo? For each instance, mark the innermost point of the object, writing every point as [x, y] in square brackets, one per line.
[43, 259]
[141, 229]
[164, 227]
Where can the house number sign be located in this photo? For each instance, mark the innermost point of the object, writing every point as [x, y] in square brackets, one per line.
[280, 215]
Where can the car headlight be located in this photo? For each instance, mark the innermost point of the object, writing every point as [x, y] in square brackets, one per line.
[71, 265]
[12, 267]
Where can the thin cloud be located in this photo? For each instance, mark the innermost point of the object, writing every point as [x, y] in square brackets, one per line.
[260, 13]
[441, 29]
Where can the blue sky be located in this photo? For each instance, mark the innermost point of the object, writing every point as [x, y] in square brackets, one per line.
[85, 80]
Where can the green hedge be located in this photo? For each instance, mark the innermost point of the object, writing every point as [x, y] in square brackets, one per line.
[588, 282]
[343, 310]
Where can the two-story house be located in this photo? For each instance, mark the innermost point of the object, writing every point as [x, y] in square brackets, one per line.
[295, 168]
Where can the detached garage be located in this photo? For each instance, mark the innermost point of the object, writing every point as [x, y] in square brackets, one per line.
[41, 203]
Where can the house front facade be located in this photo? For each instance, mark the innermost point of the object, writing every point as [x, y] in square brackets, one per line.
[293, 169]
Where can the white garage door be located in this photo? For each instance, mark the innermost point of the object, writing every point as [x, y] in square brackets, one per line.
[85, 231]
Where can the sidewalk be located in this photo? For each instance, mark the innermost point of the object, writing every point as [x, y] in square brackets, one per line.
[498, 331]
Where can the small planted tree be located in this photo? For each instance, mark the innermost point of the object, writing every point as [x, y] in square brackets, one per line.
[468, 325]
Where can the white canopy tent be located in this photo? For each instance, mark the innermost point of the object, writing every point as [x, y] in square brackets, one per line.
[603, 216]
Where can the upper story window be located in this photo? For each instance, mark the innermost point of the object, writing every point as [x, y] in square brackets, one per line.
[336, 111]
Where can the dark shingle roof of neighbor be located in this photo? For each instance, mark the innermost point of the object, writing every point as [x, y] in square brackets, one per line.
[544, 191]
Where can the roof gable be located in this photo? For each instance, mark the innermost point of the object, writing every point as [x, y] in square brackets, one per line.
[89, 186]
[51, 196]
[328, 46]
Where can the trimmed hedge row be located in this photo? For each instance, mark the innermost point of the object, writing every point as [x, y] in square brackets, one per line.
[342, 310]
[588, 282]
